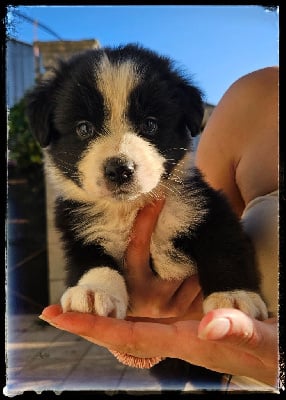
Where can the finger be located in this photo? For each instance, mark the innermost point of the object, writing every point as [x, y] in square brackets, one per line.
[231, 326]
[145, 223]
[120, 335]
[189, 293]
[51, 312]
[151, 210]
[138, 252]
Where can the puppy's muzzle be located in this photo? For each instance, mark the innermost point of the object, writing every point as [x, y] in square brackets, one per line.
[119, 171]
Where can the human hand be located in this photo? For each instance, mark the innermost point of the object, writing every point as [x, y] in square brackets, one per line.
[151, 296]
[226, 340]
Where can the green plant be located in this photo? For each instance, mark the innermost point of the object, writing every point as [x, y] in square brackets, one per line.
[22, 146]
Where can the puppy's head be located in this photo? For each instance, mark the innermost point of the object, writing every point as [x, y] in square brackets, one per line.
[114, 122]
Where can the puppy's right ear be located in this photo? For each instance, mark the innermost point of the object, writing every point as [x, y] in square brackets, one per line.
[40, 110]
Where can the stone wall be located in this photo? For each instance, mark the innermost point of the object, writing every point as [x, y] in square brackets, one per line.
[51, 51]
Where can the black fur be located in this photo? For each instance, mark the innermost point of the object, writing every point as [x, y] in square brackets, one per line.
[222, 251]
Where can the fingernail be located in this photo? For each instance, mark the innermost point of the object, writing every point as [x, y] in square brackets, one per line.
[48, 321]
[216, 329]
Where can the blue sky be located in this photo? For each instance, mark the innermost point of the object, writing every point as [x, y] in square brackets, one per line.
[214, 44]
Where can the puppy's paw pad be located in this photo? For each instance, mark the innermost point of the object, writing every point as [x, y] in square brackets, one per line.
[248, 302]
[89, 299]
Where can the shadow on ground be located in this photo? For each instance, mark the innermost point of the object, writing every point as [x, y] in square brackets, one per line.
[26, 241]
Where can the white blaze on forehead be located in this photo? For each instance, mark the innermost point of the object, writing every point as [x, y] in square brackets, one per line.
[115, 81]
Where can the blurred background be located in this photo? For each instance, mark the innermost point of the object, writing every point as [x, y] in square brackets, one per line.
[215, 45]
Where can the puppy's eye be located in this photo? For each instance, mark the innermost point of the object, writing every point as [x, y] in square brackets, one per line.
[150, 126]
[85, 129]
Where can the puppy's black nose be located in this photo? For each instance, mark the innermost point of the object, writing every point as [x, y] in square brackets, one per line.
[118, 170]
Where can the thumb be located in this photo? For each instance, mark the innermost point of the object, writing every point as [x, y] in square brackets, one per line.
[138, 251]
[231, 326]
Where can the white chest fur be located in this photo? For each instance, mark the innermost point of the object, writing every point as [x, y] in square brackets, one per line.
[110, 224]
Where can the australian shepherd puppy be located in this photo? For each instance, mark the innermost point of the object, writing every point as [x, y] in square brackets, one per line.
[116, 126]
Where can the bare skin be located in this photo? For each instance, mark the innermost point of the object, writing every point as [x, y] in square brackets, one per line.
[168, 301]
[237, 153]
[238, 150]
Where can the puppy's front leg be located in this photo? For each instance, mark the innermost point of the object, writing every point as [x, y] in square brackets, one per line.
[101, 291]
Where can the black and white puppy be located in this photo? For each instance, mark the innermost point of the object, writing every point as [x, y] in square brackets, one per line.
[116, 127]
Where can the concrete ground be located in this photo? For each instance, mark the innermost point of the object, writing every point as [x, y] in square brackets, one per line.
[40, 358]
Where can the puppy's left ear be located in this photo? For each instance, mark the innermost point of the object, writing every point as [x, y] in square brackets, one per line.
[192, 105]
[39, 110]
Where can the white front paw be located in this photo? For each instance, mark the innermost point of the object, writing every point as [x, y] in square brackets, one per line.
[248, 302]
[89, 299]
